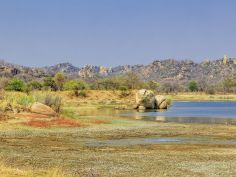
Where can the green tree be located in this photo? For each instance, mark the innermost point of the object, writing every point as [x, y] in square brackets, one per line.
[49, 83]
[192, 86]
[15, 85]
[107, 84]
[153, 85]
[34, 85]
[60, 80]
[75, 85]
[71, 85]
[78, 87]
[228, 84]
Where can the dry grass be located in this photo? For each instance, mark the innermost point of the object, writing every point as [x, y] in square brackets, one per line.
[32, 149]
[41, 149]
[199, 96]
[7, 171]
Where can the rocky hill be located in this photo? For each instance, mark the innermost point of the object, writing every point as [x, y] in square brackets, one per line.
[169, 70]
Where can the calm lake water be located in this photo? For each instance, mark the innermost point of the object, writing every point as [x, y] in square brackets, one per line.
[191, 112]
[157, 140]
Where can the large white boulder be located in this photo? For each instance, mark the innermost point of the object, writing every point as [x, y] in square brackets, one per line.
[161, 102]
[145, 98]
[40, 108]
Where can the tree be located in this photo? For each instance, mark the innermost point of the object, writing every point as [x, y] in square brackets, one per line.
[3, 82]
[107, 83]
[211, 90]
[49, 83]
[71, 85]
[78, 87]
[15, 85]
[34, 85]
[202, 85]
[75, 85]
[170, 87]
[59, 80]
[153, 85]
[167, 87]
[133, 81]
[192, 86]
[228, 84]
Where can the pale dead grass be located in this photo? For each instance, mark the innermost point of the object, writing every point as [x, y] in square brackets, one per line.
[200, 96]
[7, 171]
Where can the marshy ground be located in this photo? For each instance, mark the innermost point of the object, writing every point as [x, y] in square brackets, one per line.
[87, 142]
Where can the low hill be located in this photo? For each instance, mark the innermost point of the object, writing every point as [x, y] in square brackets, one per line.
[169, 70]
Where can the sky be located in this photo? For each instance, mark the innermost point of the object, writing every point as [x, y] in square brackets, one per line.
[115, 32]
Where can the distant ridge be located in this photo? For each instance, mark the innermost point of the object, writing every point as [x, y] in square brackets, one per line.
[168, 70]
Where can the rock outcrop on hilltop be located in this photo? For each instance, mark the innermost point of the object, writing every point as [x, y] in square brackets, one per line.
[169, 70]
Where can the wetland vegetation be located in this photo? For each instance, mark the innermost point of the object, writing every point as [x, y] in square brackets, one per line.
[89, 138]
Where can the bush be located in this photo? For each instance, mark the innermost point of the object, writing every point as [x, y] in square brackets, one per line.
[53, 101]
[153, 85]
[15, 85]
[34, 85]
[3, 82]
[71, 85]
[210, 90]
[59, 80]
[15, 102]
[133, 81]
[107, 84]
[229, 84]
[169, 101]
[169, 87]
[124, 92]
[123, 88]
[49, 83]
[82, 93]
[192, 86]
[75, 85]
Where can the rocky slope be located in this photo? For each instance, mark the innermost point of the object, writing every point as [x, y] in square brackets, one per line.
[169, 70]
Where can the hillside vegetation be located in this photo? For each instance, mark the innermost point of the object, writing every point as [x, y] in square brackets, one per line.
[173, 75]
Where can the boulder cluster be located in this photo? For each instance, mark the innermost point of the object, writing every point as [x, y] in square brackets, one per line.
[146, 99]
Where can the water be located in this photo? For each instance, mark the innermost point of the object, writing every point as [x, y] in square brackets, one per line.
[217, 112]
[157, 140]
[192, 112]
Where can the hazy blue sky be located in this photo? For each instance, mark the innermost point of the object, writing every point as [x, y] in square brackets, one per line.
[115, 32]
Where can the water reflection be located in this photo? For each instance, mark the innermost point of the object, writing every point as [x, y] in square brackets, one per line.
[180, 112]
[156, 140]
[192, 112]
